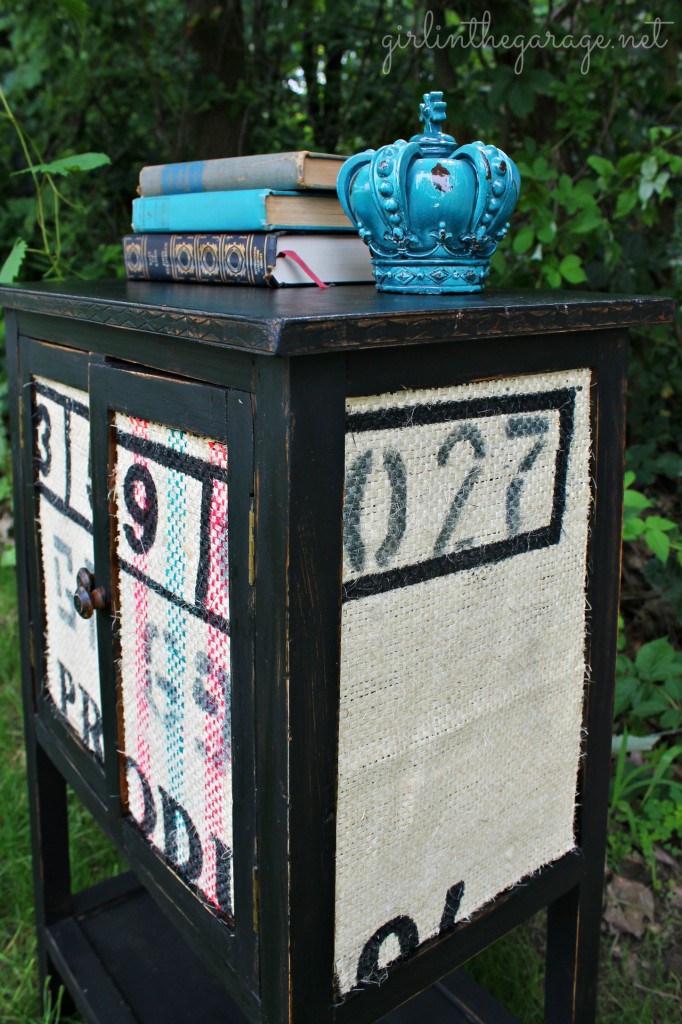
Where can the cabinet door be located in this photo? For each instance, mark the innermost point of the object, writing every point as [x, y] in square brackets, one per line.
[56, 419]
[172, 473]
[463, 653]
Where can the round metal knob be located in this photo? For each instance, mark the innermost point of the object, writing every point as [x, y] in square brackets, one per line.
[88, 597]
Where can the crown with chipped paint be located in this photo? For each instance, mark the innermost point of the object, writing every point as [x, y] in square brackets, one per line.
[431, 212]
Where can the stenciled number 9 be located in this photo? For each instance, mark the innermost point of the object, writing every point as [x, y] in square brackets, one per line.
[139, 493]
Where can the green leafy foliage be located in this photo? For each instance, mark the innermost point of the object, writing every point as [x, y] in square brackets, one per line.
[68, 164]
[647, 786]
[47, 200]
[660, 535]
[646, 807]
[650, 686]
[12, 265]
[77, 9]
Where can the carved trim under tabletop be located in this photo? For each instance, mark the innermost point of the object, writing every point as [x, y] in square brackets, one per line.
[352, 316]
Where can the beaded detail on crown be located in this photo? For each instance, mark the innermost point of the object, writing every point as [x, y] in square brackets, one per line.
[431, 212]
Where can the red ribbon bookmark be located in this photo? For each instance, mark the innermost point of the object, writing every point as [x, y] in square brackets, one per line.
[303, 265]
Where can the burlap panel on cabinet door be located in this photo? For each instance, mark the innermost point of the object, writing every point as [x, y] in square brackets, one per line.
[62, 444]
[172, 547]
[462, 657]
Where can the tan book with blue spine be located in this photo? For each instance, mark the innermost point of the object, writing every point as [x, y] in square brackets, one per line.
[284, 171]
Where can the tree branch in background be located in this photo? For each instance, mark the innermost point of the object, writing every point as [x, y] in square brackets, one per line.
[220, 125]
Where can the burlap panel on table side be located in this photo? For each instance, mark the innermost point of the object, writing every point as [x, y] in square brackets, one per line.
[62, 446]
[461, 695]
[172, 537]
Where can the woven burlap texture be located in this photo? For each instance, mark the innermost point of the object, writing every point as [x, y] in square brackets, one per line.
[61, 444]
[171, 514]
[461, 696]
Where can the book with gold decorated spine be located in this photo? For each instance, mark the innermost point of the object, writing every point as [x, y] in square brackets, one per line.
[269, 259]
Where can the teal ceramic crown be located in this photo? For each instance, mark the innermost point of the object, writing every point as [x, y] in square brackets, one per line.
[431, 212]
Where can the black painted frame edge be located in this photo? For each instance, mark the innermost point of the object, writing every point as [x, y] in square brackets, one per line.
[574, 921]
[299, 336]
[48, 813]
[252, 334]
[196, 360]
[271, 511]
[317, 434]
[94, 993]
[240, 497]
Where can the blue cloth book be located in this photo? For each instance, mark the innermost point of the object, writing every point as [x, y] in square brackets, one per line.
[245, 210]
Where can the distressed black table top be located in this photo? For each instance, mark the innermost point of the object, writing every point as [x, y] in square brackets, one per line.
[297, 321]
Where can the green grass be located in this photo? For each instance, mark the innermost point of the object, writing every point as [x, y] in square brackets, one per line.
[18, 972]
[639, 982]
[638, 987]
[92, 856]
[513, 970]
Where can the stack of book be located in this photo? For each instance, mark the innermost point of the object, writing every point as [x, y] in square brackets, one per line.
[272, 219]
